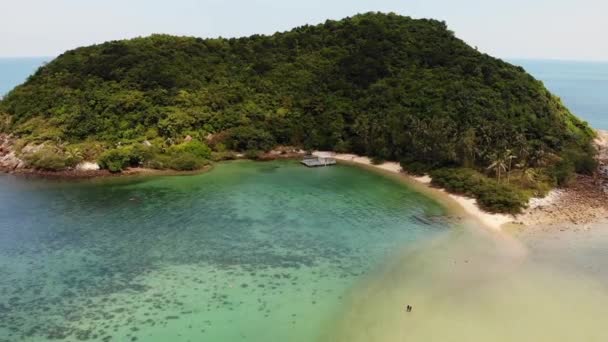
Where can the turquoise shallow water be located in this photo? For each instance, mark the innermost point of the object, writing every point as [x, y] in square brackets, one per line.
[249, 251]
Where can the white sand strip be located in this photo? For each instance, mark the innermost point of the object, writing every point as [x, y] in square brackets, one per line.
[469, 205]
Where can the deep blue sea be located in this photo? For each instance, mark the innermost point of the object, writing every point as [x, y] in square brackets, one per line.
[583, 86]
[14, 71]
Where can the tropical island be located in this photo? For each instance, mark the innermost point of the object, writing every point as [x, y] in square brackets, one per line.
[468, 203]
[385, 86]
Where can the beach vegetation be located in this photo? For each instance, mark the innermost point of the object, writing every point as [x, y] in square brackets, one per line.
[491, 195]
[382, 85]
[52, 158]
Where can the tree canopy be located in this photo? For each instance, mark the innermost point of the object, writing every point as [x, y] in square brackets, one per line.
[383, 85]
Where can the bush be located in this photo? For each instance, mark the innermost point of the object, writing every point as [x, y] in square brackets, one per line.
[193, 147]
[115, 160]
[187, 156]
[253, 154]
[245, 138]
[5, 122]
[52, 159]
[139, 154]
[415, 168]
[490, 195]
[118, 159]
[583, 162]
[501, 198]
[89, 150]
[563, 172]
[573, 161]
[219, 156]
[377, 160]
[187, 162]
[342, 147]
[160, 162]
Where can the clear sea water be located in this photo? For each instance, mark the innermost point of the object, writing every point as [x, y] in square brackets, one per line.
[247, 252]
[278, 252]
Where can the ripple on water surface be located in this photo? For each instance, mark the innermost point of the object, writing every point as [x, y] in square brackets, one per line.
[249, 251]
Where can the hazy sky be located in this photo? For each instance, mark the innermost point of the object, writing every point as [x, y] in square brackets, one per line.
[557, 29]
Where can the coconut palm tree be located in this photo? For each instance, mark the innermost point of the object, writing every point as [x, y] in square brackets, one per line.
[498, 165]
[508, 156]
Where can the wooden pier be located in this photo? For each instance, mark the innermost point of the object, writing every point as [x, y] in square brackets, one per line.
[314, 161]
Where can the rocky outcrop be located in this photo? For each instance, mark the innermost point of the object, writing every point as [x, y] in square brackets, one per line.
[583, 202]
[8, 157]
[601, 143]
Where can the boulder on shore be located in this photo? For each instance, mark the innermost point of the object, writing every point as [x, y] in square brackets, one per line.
[87, 166]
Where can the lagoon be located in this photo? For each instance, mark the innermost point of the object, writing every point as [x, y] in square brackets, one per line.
[249, 251]
[274, 251]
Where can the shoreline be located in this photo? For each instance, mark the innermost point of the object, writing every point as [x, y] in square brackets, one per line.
[575, 208]
[464, 204]
[580, 205]
[76, 175]
[83, 174]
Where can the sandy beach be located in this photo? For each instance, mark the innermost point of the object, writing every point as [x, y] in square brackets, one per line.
[468, 205]
[579, 205]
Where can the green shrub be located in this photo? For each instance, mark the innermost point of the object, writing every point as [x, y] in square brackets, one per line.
[49, 163]
[583, 162]
[187, 156]
[219, 156]
[253, 154]
[159, 162]
[220, 147]
[501, 198]
[5, 122]
[377, 160]
[572, 161]
[563, 172]
[187, 162]
[490, 195]
[51, 158]
[586, 165]
[139, 154]
[115, 160]
[246, 138]
[193, 147]
[89, 150]
[415, 168]
[118, 159]
[342, 147]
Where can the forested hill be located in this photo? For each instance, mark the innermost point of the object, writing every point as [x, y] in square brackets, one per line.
[382, 85]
